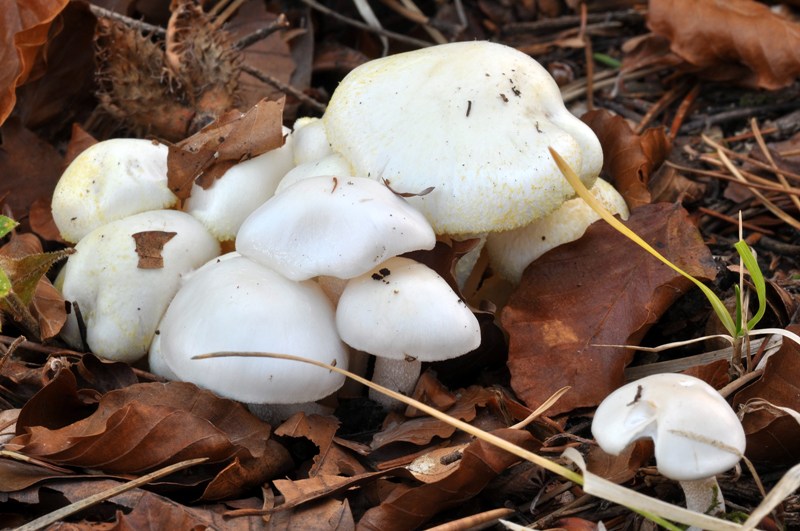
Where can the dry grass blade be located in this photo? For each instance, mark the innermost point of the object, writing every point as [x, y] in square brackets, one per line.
[541, 409]
[55, 516]
[768, 155]
[472, 522]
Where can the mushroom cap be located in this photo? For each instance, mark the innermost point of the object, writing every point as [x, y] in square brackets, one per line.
[403, 309]
[335, 226]
[310, 140]
[332, 164]
[108, 181]
[472, 119]
[687, 419]
[119, 302]
[510, 252]
[243, 188]
[234, 304]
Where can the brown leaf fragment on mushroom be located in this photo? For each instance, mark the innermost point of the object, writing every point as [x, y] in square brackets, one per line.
[149, 245]
[599, 290]
[232, 138]
[738, 40]
[628, 159]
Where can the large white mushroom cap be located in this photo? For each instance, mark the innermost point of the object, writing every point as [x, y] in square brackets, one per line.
[472, 119]
[108, 181]
[334, 226]
[233, 304]
[403, 309]
[510, 252]
[696, 433]
[119, 302]
[243, 188]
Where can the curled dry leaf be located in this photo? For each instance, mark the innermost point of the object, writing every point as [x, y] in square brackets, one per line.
[147, 426]
[233, 138]
[772, 435]
[736, 40]
[628, 159]
[480, 463]
[25, 27]
[599, 290]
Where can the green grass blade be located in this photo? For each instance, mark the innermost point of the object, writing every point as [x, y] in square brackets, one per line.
[719, 308]
[751, 264]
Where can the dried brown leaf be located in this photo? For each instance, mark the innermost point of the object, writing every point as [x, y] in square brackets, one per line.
[317, 428]
[480, 463]
[599, 290]
[771, 434]
[325, 515]
[149, 245]
[234, 137]
[628, 159]
[737, 40]
[25, 28]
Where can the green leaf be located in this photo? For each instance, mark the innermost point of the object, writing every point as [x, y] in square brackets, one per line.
[573, 179]
[6, 225]
[5, 284]
[751, 264]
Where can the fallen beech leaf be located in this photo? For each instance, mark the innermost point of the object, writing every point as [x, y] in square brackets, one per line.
[422, 430]
[736, 40]
[149, 245]
[328, 514]
[25, 27]
[317, 428]
[480, 463]
[628, 159]
[302, 491]
[147, 426]
[16, 475]
[430, 391]
[623, 467]
[233, 138]
[599, 290]
[771, 434]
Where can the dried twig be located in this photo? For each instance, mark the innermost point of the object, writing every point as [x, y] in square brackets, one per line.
[283, 87]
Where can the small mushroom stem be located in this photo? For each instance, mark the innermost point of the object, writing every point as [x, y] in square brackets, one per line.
[703, 496]
[397, 375]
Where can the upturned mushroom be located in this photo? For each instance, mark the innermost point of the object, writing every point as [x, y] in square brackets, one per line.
[404, 313]
[695, 432]
[123, 275]
[109, 181]
[473, 120]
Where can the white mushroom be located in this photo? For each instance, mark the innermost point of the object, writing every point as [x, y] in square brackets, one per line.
[243, 188]
[510, 252]
[696, 433]
[310, 140]
[404, 313]
[332, 164]
[233, 304]
[471, 119]
[335, 226]
[108, 181]
[120, 302]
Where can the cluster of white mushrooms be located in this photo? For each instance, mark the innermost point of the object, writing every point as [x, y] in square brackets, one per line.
[460, 131]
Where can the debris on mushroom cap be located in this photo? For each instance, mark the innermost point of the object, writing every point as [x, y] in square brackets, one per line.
[510, 252]
[404, 309]
[243, 188]
[473, 120]
[108, 181]
[234, 304]
[332, 164]
[696, 433]
[335, 226]
[119, 302]
[310, 140]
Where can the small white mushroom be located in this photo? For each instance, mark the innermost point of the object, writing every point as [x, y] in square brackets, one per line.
[243, 188]
[695, 432]
[334, 226]
[120, 302]
[404, 313]
[233, 304]
[310, 140]
[510, 252]
[471, 119]
[332, 164]
[108, 181]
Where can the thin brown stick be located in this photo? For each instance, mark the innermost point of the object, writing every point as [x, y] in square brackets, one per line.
[589, 57]
[760, 182]
[283, 87]
[262, 33]
[366, 27]
[472, 522]
[663, 102]
[768, 155]
[734, 221]
[683, 109]
[10, 350]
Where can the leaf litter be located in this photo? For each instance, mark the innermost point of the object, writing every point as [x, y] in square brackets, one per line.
[71, 404]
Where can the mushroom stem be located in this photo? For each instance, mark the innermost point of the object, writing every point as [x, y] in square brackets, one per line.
[703, 496]
[397, 375]
[276, 413]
